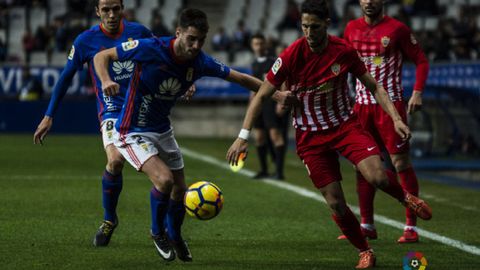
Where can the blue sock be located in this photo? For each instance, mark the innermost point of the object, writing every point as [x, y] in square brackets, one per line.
[111, 188]
[158, 206]
[174, 220]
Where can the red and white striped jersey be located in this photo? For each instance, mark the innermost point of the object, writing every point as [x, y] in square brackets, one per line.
[319, 80]
[382, 47]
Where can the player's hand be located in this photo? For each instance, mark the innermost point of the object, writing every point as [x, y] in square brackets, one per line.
[190, 92]
[238, 146]
[415, 102]
[42, 130]
[286, 99]
[110, 88]
[402, 129]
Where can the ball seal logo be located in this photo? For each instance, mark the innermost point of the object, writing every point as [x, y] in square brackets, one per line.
[277, 65]
[129, 45]
[71, 53]
[414, 260]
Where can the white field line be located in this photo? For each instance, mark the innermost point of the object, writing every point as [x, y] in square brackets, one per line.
[434, 198]
[317, 197]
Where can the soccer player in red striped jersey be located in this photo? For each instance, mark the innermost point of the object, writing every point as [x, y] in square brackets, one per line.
[382, 43]
[315, 69]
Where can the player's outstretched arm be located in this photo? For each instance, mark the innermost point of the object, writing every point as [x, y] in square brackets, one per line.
[42, 130]
[284, 98]
[100, 62]
[241, 143]
[381, 96]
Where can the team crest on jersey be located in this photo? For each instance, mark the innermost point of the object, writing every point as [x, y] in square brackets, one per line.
[129, 45]
[413, 39]
[277, 65]
[335, 68]
[189, 74]
[385, 41]
[71, 53]
[119, 66]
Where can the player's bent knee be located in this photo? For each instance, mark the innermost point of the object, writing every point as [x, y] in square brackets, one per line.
[115, 166]
[338, 207]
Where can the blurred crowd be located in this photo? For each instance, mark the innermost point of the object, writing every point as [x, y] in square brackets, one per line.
[60, 34]
[454, 39]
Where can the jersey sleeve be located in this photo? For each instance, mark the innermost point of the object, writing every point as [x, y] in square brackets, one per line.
[75, 60]
[214, 68]
[346, 34]
[140, 50]
[412, 50]
[278, 73]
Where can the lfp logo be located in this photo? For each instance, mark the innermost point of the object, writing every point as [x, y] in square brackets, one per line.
[414, 260]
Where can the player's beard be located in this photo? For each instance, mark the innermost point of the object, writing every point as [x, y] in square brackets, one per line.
[373, 12]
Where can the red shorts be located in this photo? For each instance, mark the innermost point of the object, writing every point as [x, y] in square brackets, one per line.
[319, 150]
[376, 121]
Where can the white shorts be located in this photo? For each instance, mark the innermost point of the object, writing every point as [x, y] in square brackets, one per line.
[109, 133]
[138, 147]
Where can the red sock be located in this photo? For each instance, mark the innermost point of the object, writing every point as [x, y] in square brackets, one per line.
[394, 189]
[409, 182]
[366, 194]
[351, 229]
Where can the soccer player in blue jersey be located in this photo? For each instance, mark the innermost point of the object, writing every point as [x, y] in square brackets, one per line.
[111, 31]
[165, 68]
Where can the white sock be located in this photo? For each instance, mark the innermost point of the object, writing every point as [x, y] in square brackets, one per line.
[413, 228]
[367, 226]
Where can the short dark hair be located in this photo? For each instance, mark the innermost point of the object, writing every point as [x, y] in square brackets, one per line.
[193, 17]
[316, 7]
[257, 35]
[96, 2]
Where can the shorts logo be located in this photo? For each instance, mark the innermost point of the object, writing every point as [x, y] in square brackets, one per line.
[71, 53]
[277, 65]
[414, 260]
[129, 45]
[371, 148]
[335, 68]
[413, 39]
[385, 41]
[119, 66]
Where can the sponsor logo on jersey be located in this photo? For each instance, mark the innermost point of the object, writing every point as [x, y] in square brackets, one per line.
[169, 87]
[189, 74]
[323, 88]
[413, 39]
[335, 68]
[376, 60]
[71, 53]
[277, 65]
[118, 66]
[222, 65]
[143, 111]
[385, 41]
[129, 45]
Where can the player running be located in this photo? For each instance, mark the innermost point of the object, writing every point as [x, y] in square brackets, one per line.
[315, 69]
[382, 43]
[166, 68]
[111, 31]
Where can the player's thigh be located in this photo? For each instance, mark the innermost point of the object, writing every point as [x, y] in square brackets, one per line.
[386, 129]
[372, 169]
[169, 151]
[109, 133]
[354, 143]
[334, 196]
[322, 167]
[159, 173]
[136, 148]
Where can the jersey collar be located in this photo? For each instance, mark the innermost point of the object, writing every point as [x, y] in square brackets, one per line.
[114, 36]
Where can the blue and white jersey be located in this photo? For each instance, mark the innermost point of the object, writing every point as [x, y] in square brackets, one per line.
[84, 48]
[159, 80]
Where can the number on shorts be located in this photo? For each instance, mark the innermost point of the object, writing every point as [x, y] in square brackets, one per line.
[109, 125]
[138, 139]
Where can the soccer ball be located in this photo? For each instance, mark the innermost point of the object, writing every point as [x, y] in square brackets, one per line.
[203, 200]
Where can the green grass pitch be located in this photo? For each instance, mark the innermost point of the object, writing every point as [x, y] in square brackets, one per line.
[50, 208]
